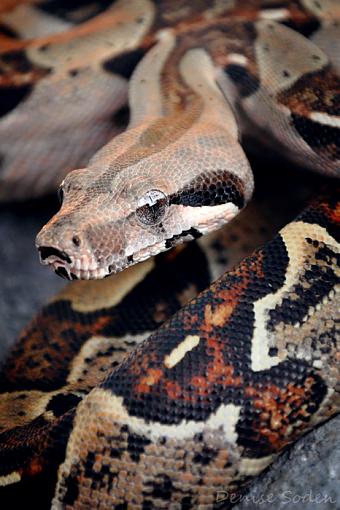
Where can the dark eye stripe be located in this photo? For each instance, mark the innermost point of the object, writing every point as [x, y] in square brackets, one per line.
[213, 188]
[172, 241]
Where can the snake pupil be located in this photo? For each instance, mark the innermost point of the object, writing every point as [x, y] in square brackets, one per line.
[152, 207]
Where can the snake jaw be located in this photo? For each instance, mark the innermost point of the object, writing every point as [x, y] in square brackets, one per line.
[83, 268]
[70, 273]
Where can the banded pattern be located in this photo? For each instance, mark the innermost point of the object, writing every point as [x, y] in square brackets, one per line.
[93, 407]
[208, 401]
[200, 380]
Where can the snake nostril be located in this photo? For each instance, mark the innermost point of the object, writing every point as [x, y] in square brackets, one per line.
[61, 271]
[47, 251]
[76, 240]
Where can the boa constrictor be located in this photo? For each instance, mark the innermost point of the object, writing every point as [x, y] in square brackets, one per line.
[250, 364]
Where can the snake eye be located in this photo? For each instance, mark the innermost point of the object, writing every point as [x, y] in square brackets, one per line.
[151, 207]
[60, 193]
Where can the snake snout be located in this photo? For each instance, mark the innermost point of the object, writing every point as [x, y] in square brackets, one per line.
[58, 259]
[47, 251]
[68, 254]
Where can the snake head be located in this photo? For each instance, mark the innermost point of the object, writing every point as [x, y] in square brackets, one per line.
[122, 210]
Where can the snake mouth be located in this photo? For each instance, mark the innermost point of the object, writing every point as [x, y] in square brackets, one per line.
[77, 271]
[86, 267]
[83, 268]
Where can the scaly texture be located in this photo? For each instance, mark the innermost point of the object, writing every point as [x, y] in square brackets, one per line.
[242, 370]
[179, 171]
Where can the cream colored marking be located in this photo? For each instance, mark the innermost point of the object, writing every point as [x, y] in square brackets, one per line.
[145, 94]
[207, 217]
[118, 32]
[323, 9]
[237, 58]
[88, 296]
[150, 251]
[274, 14]
[279, 50]
[327, 120]
[101, 401]
[225, 418]
[97, 344]
[325, 301]
[260, 359]
[29, 22]
[103, 411]
[91, 347]
[252, 467]
[187, 345]
[199, 72]
[329, 402]
[9, 479]
[327, 39]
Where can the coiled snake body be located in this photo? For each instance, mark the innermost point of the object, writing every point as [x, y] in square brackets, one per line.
[128, 420]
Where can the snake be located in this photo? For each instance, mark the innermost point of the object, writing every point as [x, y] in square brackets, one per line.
[169, 375]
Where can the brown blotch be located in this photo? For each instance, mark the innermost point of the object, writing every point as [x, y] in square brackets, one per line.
[314, 92]
[152, 377]
[278, 408]
[45, 349]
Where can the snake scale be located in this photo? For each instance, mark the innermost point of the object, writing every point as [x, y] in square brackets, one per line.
[150, 389]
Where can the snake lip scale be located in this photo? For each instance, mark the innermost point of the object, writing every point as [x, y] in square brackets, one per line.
[186, 368]
[82, 268]
[86, 268]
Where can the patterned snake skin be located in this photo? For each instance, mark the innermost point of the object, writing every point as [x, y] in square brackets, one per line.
[143, 390]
